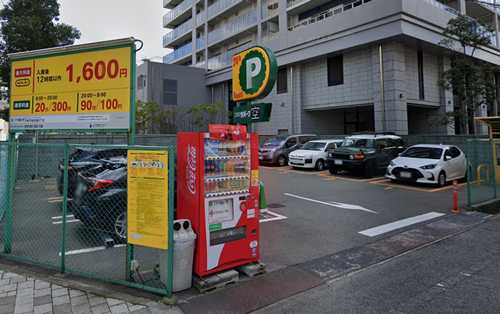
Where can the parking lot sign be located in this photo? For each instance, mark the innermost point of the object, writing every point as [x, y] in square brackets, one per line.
[254, 73]
[249, 113]
[85, 87]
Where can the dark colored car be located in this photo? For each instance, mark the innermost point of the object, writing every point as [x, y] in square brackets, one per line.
[100, 202]
[275, 150]
[366, 155]
[83, 159]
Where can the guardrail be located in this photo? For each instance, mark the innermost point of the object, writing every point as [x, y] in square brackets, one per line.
[178, 31]
[177, 11]
[232, 27]
[178, 53]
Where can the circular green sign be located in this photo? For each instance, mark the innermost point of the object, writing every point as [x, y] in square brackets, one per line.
[253, 72]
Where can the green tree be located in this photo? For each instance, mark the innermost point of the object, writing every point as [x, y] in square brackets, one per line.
[29, 25]
[472, 80]
[203, 114]
[148, 117]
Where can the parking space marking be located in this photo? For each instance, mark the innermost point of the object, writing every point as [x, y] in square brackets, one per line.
[60, 217]
[67, 221]
[333, 204]
[275, 217]
[388, 183]
[92, 249]
[376, 231]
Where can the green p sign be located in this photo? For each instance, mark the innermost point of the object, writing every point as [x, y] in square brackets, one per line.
[254, 73]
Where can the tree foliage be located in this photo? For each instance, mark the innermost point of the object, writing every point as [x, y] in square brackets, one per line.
[472, 80]
[153, 118]
[30, 25]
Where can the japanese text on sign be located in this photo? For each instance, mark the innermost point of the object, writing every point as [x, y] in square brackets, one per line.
[147, 212]
[81, 90]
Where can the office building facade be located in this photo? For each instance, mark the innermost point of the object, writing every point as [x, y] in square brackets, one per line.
[344, 65]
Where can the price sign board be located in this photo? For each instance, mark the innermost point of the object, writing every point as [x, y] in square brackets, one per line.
[87, 89]
[147, 198]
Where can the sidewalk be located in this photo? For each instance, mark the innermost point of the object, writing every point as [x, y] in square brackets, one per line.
[460, 274]
[21, 294]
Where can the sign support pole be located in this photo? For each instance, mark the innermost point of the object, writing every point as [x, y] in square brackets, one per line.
[132, 141]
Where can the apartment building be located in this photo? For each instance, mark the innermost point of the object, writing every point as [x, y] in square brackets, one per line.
[345, 65]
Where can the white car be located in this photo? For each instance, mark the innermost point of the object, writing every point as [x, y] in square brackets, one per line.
[313, 154]
[431, 164]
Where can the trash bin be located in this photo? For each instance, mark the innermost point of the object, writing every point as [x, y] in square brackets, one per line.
[184, 242]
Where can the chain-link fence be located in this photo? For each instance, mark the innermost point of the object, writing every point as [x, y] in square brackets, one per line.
[66, 208]
[481, 172]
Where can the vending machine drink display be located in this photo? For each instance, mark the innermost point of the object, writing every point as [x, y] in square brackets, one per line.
[218, 190]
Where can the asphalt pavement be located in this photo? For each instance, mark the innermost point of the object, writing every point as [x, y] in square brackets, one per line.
[325, 214]
[457, 275]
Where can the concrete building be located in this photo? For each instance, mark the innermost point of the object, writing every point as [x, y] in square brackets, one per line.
[345, 65]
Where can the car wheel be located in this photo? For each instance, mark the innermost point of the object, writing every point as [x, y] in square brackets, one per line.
[441, 179]
[120, 228]
[320, 165]
[282, 161]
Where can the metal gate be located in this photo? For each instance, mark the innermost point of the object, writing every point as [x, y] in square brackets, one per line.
[66, 209]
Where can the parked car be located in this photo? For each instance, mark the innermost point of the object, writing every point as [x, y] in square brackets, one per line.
[100, 202]
[313, 154]
[368, 154]
[275, 150]
[429, 164]
[84, 159]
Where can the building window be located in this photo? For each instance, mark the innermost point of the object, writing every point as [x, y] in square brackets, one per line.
[420, 61]
[335, 70]
[282, 84]
[169, 92]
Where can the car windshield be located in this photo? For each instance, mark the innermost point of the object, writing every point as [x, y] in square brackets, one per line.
[274, 141]
[358, 142]
[318, 146]
[423, 152]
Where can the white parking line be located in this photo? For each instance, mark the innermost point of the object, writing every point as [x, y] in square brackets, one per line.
[275, 218]
[334, 204]
[60, 217]
[375, 231]
[91, 249]
[67, 221]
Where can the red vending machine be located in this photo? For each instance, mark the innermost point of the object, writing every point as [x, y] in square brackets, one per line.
[218, 190]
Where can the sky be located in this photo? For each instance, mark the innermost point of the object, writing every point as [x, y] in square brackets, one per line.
[100, 20]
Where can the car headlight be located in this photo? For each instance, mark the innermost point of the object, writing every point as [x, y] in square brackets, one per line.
[351, 157]
[428, 167]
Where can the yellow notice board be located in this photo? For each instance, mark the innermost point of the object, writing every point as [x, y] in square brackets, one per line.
[77, 90]
[147, 212]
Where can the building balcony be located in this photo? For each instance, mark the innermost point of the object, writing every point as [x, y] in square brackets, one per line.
[178, 14]
[220, 6]
[181, 32]
[170, 4]
[225, 59]
[232, 27]
[200, 43]
[200, 18]
[178, 53]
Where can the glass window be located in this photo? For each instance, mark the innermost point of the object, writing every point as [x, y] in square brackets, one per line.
[423, 152]
[454, 152]
[358, 142]
[420, 61]
[335, 70]
[331, 146]
[170, 92]
[282, 83]
[317, 146]
[291, 142]
[274, 141]
[382, 144]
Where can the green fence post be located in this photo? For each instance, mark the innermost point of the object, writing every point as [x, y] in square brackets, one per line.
[470, 174]
[171, 184]
[10, 194]
[64, 208]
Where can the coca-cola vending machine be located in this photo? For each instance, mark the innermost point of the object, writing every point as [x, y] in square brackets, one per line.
[218, 190]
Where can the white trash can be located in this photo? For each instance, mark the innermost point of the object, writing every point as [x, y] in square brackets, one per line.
[184, 242]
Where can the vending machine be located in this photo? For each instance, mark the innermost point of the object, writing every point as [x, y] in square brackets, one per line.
[218, 190]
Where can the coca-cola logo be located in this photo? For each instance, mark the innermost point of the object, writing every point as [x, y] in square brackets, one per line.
[191, 169]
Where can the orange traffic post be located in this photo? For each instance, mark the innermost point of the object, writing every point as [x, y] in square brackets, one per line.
[456, 209]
